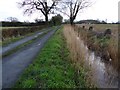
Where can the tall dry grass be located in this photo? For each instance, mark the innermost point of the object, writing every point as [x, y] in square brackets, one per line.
[77, 51]
[73, 44]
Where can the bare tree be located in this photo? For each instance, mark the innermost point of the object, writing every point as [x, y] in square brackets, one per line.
[73, 7]
[44, 6]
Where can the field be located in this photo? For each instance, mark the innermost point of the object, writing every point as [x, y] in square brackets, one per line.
[103, 27]
[7, 28]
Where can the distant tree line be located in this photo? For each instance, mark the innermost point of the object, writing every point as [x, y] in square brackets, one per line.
[91, 22]
[94, 22]
[16, 24]
[13, 22]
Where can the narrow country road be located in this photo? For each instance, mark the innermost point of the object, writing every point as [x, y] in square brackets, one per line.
[15, 44]
[13, 65]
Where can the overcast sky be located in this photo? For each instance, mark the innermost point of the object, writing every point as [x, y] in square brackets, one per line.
[101, 9]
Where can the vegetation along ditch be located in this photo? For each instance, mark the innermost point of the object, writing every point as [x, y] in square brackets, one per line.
[100, 71]
[104, 43]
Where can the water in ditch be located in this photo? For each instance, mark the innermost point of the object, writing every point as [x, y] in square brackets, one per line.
[103, 75]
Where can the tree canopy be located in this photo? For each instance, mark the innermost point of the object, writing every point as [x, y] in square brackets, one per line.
[44, 6]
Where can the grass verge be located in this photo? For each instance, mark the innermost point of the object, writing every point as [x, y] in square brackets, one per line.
[10, 40]
[52, 68]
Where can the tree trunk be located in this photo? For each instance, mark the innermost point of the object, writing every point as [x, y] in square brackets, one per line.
[71, 20]
[46, 19]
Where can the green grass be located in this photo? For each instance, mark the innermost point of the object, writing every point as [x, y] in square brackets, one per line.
[10, 40]
[102, 42]
[52, 68]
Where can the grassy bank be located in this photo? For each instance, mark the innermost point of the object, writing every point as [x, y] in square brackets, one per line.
[106, 48]
[10, 40]
[52, 68]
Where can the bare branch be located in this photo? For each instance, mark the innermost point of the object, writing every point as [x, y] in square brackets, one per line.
[75, 6]
[60, 10]
[31, 6]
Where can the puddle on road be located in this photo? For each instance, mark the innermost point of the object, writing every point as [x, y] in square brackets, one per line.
[39, 44]
[35, 36]
[102, 74]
